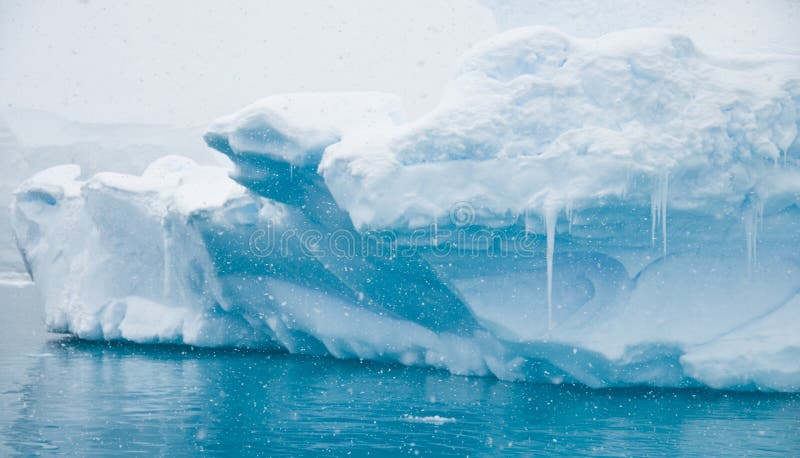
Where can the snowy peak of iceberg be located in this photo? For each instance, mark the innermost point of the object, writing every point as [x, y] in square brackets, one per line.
[617, 211]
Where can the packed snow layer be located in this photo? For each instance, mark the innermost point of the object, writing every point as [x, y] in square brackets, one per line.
[610, 212]
[296, 128]
[538, 122]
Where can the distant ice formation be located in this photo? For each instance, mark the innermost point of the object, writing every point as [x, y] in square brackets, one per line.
[617, 211]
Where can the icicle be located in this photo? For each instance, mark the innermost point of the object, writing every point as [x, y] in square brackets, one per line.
[435, 234]
[664, 194]
[568, 210]
[654, 212]
[528, 222]
[753, 219]
[166, 279]
[550, 218]
[749, 230]
[291, 172]
[658, 212]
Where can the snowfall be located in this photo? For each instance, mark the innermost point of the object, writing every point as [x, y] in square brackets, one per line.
[615, 211]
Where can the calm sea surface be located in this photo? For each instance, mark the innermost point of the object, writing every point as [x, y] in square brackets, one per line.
[63, 396]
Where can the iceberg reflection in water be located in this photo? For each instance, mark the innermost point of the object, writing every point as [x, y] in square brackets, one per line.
[173, 400]
[88, 397]
[80, 398]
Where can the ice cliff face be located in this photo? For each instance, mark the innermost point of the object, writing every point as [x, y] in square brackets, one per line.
[616, 211]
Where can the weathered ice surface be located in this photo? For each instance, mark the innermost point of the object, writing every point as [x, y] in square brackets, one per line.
[617, 211]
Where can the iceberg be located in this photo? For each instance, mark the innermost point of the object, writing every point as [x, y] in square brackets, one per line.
[616, 211]
[32, 140]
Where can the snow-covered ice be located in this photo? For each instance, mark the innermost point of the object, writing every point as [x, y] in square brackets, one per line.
[32, 140]
[616, 211]
[538, 121]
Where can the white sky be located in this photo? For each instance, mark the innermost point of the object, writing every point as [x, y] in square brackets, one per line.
[187, 62]
[190, 61]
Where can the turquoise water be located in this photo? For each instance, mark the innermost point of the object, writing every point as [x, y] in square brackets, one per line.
[64, 396]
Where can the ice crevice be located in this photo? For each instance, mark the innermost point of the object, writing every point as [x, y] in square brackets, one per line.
[346, 230]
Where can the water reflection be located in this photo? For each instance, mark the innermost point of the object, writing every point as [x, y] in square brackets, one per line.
[93, 398]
